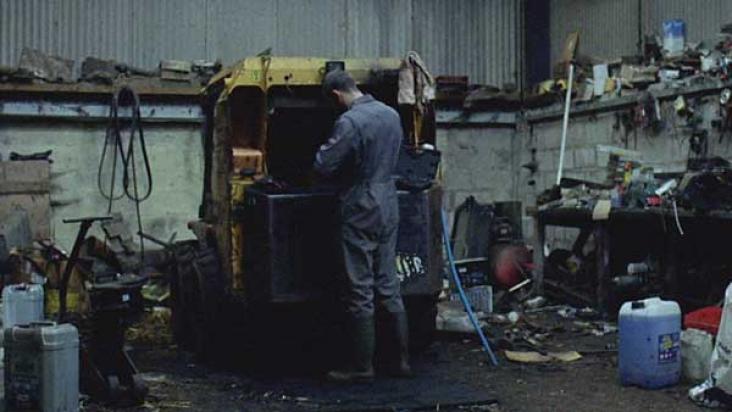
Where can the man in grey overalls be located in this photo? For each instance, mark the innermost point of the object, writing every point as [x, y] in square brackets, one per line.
[363, 150]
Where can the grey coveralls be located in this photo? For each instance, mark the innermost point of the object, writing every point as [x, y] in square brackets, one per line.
[364, 147]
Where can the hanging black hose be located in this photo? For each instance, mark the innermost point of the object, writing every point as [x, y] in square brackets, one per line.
[113, 139]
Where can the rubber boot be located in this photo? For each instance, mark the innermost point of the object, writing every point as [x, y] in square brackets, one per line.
[362, 349]
[399, 331]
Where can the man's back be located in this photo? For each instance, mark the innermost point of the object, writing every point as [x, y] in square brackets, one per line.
[363, 149]
[379, 135]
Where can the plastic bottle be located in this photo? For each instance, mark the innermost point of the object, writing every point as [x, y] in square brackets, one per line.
[674, 36]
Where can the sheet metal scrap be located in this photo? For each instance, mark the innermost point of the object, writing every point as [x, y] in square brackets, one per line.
[45, 67]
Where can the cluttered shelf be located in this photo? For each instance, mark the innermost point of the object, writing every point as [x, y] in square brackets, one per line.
[39, 73]
[496, 117]
[706, 87]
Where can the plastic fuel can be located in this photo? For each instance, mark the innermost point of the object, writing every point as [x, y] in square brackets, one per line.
[42, 367]
[649, 347]
[22, 304]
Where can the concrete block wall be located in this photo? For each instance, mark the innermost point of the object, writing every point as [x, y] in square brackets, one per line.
[176, 157]
[480, 162]
[665, 151]
[486, 162]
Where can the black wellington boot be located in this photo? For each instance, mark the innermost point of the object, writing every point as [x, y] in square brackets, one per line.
[362, 349]
[399, 334]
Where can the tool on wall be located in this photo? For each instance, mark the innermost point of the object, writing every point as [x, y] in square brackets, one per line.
[647, 113]
[114, 142]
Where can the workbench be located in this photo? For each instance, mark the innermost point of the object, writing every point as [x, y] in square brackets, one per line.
[654, 228]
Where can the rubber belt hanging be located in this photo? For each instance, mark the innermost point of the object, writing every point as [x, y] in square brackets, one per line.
[113, 137]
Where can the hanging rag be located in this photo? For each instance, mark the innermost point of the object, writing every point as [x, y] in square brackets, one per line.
[416, 84]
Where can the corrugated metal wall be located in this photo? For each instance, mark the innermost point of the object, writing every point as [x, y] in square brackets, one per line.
[609, 28]
[703, 18]
[474, 37]
[469, 37]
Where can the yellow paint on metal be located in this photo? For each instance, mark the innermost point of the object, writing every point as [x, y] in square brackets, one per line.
[52, 302]
[238, 189]
[269, 71]
[265, 72]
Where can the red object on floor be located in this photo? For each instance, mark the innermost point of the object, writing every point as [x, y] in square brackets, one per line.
[509, 262]
[706, 319]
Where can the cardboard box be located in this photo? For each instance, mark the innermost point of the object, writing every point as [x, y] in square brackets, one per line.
[26, 185]
[248, 159]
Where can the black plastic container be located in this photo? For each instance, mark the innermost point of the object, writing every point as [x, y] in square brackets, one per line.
[291, 246]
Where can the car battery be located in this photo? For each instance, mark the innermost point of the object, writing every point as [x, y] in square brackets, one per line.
[246, 160]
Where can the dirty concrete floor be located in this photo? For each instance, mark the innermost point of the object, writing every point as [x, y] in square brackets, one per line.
[453, 370]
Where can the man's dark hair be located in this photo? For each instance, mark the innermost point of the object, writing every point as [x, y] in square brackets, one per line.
[338, 80]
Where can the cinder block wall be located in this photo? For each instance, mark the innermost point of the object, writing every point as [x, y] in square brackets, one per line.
[486, 162]
[480, 162]
[585, 158]
[176, 160]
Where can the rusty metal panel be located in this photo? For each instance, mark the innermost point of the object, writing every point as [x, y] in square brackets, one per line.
[608, 28]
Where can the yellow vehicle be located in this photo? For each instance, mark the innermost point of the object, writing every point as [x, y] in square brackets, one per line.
[273, 227]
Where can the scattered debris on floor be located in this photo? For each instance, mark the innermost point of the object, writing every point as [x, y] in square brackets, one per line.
[536, 357]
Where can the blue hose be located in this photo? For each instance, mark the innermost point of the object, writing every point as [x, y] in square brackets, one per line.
[459, 285]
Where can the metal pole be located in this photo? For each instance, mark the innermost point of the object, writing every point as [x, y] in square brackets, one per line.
[565, 122]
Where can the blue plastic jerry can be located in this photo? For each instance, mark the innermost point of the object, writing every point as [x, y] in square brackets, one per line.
[650, 347]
